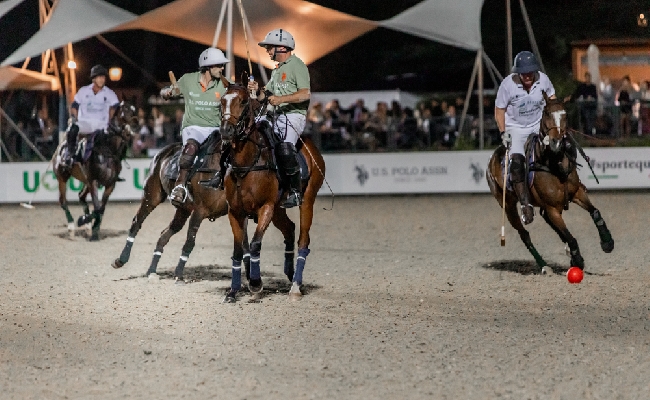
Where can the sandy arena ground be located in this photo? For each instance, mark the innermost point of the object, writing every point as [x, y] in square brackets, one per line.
[408, 297]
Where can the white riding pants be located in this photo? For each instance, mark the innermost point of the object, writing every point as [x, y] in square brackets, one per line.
[288, 126]
[519, 137]
[198, 133]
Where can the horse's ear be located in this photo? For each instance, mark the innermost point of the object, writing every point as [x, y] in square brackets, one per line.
[546, 99]
[224, 81]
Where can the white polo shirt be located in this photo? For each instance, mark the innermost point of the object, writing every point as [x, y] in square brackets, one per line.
[523, 109]
[94, 108]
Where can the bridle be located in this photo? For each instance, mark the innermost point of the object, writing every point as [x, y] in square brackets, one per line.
[557, 117]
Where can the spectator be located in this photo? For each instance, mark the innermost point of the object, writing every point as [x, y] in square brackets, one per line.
[624, 102]
[378, 124]
[408, 130]
[586, 96]
[158, 121]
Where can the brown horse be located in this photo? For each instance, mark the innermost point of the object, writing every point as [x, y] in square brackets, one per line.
[555, 184]
[101, 168]
[253, 190]
[201, 204]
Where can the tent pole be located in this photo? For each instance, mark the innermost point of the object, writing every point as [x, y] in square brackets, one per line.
[509, 35]
[469, 92]
[21, 133]
[230, 68]
[217, 31]
[531, 35]
[480, 100]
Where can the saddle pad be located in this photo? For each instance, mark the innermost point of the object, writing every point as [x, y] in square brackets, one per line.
[173, 167]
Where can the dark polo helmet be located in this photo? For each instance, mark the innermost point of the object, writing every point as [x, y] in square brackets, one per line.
[98, 70]
[525, 62]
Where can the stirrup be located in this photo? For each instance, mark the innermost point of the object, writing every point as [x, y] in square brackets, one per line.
[293, 199]
[213, 183]
[176, 198]
[527, 213]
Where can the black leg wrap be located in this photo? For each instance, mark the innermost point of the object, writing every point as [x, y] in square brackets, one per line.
[290, 171]
[154, 263]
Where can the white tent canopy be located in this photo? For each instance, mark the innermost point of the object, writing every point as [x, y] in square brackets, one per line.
[71, 21]
[16, 78]
[318, 30]
[8, 5]
[452, 22]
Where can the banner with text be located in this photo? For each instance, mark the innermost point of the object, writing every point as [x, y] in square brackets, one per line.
[355, 174]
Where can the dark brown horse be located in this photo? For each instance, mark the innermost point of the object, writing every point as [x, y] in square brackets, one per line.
[101, 168]
[201, 204]
[253, 190]
[556, 183]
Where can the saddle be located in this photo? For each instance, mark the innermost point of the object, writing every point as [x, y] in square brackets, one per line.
[206, 149]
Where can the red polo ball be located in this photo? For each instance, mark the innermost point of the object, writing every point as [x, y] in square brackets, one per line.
[574, 275]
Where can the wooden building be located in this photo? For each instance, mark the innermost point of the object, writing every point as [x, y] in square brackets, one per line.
[618, 57]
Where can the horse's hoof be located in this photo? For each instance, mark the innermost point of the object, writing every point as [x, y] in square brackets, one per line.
[295, 294]
[71, 227]
[230, 297]
[607, 247]
[255, 286]
[179, 281]
[546, 270]
[567, 250]
[94, 238]
[256, 297]
[117, 263]
[153, 277]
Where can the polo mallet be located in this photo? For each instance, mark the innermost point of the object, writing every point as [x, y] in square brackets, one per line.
[172, 79]
[503, 202]
[29, 205]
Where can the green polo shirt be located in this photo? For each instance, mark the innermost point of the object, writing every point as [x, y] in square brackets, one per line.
[287, 78]
[202, 107]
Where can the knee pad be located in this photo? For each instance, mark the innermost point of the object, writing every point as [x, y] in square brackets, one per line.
[517, 168]
[189, 153]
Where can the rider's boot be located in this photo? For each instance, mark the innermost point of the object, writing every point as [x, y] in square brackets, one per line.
[71, 141]
[179, 194]
[518, 177]
[290, 171]
[216, 182]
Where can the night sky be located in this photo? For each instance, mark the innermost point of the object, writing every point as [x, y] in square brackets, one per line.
[380, 59]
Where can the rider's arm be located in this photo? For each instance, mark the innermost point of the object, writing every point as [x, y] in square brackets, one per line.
[500, 117]
[74, 109]
[297, 97]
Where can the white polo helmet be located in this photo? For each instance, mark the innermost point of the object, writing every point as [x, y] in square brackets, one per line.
[212, 56]
[279, 37]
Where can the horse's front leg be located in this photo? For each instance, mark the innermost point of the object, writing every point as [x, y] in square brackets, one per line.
[238, 226]
[524, 235]
[288, 228]
[264, 218]
[63, 202]
[554, 216]
[606, 239]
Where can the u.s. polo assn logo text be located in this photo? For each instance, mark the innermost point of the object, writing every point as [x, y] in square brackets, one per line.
[399, 174]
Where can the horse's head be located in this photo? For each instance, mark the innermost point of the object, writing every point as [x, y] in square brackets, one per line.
[125, 122]
[553, 125]
[234, 111]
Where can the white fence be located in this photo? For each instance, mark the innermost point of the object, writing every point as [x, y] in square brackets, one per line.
[357, 174]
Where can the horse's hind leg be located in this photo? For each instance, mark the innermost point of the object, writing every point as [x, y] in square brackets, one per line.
[180, 217]
[606, 239]
[152, 197]
[288, 229]
[63, 202]
[555, 219]
[193, 228]
[515, 221]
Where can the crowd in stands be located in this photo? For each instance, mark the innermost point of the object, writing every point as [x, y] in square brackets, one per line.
[432, 124]
[602, 110]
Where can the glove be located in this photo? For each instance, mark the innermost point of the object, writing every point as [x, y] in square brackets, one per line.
[506, 139]
[72, 120]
